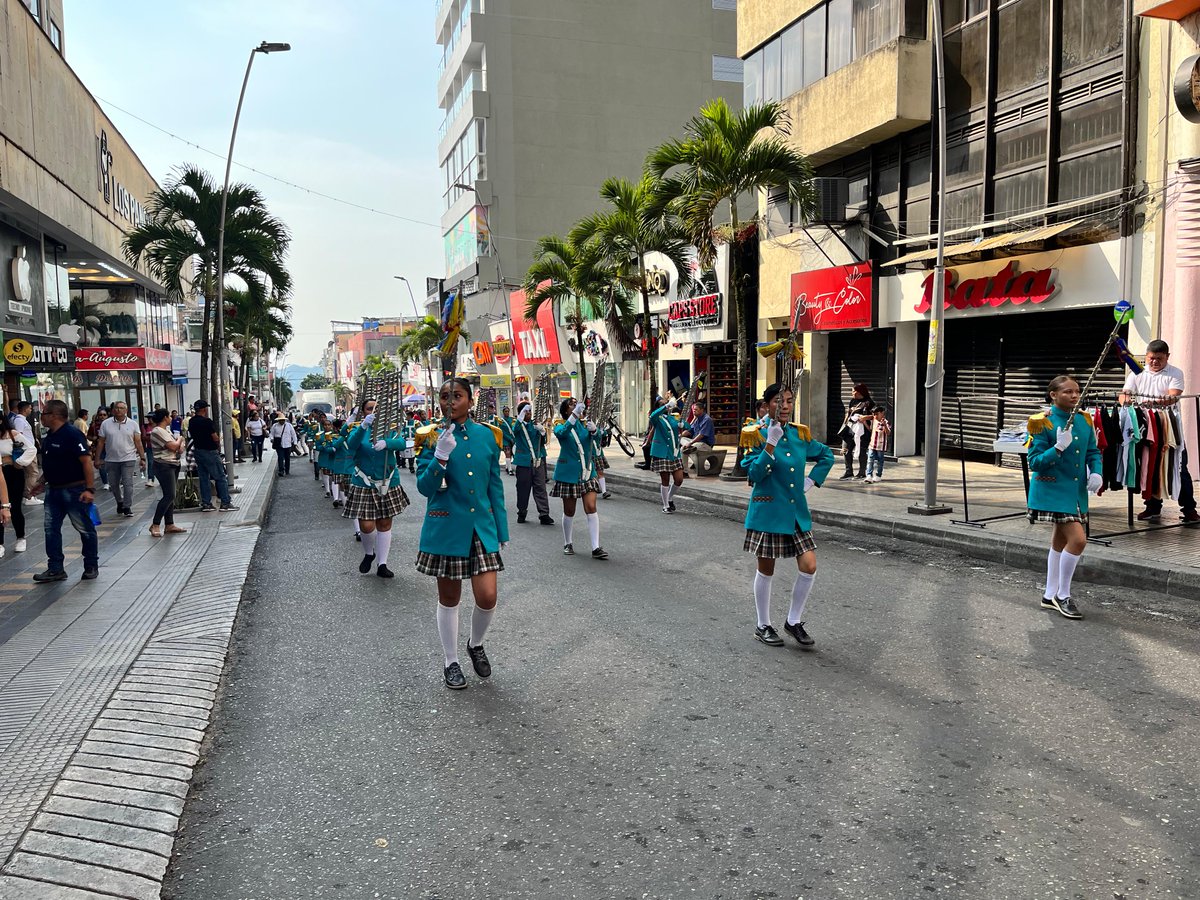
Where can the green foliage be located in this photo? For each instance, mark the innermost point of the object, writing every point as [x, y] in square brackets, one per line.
[314, 382]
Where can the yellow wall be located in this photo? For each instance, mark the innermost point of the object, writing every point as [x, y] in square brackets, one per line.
[760, 20]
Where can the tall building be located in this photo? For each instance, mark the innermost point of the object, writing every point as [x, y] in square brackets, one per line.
[544, 100]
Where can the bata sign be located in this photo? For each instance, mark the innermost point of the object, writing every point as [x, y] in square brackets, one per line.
[1006, 286]
[695, 312]
[98, 359]
[833, 299]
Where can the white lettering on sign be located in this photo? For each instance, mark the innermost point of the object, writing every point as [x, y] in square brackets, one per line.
[115, 194]
[696, 312]
[533, 342]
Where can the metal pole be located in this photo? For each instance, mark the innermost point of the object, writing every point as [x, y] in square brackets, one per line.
[937, 340]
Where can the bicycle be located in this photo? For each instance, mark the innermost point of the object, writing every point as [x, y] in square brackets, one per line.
[615, 431]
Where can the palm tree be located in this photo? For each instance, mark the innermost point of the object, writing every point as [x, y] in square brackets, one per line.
[375, 364]
[178, 244]
[624, 234]
[570, 275]
[257, 324]
[724, 157]
[418, 342]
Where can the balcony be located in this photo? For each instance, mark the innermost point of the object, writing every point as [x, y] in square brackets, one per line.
[875, 97]
[471, 104]
[466, 51]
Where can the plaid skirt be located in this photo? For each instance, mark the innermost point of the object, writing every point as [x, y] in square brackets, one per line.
[1041, 516]
[364, 503]
[342, 480]
[778, 546]
[659, 464]
[567, 490]
[460, 568]
[602, 463]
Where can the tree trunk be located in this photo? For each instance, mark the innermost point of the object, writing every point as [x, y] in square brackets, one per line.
[205, 338]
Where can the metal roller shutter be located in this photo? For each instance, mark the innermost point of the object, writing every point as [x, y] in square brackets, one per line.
[859, 356]
[972, 370]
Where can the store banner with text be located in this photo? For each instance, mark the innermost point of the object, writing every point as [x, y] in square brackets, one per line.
[536, 342]
[833, 299]
[96, 359]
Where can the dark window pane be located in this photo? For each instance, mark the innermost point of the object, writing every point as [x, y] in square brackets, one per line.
[793, 59]
[916, 215]
[840, 12]
[1087, 176]
[814, 46]
[964, 207]
[1092, 124]
[952, 13]
[964, 162]
[1021, 193]
[976, 7]
[966, 67]
[1024, 41]
[771, 74]
[887, 185]
[1091, 30]
[1021, 146]
[917, 172]
[752, 78]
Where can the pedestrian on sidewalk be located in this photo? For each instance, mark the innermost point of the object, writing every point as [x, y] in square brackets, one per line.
[70, 492]
[17, 455]
[375, 496]
[1066, 466]
[120, 444]
[463, 533]
[147, 427]
[237, 436]
[257, 429]
[853, 432]
[18, 417]
[505, 423]
[778, 523]
[283, 439]
[529, 454]
[879, 436]
[93, 437]
[666, 452]
[575, 475]
[166, 448]
[81, 420]
[206, 448]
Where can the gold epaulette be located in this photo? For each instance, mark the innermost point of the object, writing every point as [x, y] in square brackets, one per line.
[1039, 423]
[1091, 422]
[804, 432]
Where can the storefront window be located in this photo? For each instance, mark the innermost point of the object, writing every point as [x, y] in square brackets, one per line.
[1025, 38]
[58, 296]
[107, 315]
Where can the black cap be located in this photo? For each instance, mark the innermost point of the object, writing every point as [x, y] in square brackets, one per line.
[200, 404]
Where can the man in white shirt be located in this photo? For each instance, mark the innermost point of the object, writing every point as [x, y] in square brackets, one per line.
[121, 443]
[1161, 384]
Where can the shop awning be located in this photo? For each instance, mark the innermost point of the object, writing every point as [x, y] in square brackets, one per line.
[995, 242]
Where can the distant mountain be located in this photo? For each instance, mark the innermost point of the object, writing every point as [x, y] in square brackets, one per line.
[294, 374]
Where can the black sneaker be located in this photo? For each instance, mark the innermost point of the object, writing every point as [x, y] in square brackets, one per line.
[127, 513]
[384, 572]
[606, 495]
[207, 507]
[90, 574]
[520, 518]
[797, 631]
[228, 507]
[844, 477]
[545, 520]
[599, 553]
[365, 565]
[768, 636]
[479, 660]
[337, 504]
[1066, 608]
[1048, 603]
[357, 537]
[454, 677]
[47, 576]
[568, 550]
[671, 506]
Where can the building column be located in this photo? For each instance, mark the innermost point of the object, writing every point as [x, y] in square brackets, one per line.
[904, 416]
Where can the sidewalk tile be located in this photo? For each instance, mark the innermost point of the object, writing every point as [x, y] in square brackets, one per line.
[148, 865]
[120, 796]
[107, 832]
[82, 875]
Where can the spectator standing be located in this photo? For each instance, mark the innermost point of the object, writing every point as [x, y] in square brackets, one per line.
[257, 429]
[167, 450]
[93, 438]
[879, 438]
[854, 431]
[70, 492]
[283, 438]
[206, 447]
[19, 412]
[237, 436]
[120, 445]
[81, 421]
[176, 422]
[147, 427]
[17, 455]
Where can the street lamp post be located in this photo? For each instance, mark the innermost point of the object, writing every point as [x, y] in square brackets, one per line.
[416, 311]
[219, 323]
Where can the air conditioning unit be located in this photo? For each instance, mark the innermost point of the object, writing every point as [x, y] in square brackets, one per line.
[833, 195]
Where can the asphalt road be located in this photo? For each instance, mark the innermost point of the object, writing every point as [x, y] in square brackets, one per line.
[947, 737]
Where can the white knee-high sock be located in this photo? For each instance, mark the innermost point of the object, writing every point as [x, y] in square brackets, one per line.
[603, 487]
[568, 527]
[336, 490]
[447, 623]
[383, 543]
[671, 491]
[357, 528]
[762, 597]
[1066, 571]
[593, 520]
[1052, 566]
[325, 482]
[800, 591]
[666, 493]
[480, 620]
[368, 542]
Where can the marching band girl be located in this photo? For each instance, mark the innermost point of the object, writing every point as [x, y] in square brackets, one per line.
[665, 452]
[1066, 467]
[778, 524]
[375, 494]
[575, 475]
[465, 525]
[529, 454]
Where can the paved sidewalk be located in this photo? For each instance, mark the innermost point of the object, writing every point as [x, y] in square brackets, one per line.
[1167, 560]
[106, 688]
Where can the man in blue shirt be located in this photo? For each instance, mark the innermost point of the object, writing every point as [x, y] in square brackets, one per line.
[698, 434]
[70, 491]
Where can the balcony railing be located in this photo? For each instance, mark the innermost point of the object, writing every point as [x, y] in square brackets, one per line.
[473, 82]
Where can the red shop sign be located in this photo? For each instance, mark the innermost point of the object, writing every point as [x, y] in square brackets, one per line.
[122, 359]
[1006, 286]
[536, 342]
[158, 360]
[833, 299]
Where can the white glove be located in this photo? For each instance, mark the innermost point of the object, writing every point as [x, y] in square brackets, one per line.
[540, 429]
[1064, 438]
[579, 410]
[774, 434]
[525, 415]
[446, 443]
[591, 426]
[1095, 482]
[381, 445]
[672, 403]
[368, 420]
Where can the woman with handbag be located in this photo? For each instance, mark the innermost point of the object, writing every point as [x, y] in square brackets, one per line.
[17, 454]
[167, 449]
[283, 439]
[856, 431]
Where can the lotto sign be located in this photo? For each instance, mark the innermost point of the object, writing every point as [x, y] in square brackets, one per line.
[833, 299]
[537, 341]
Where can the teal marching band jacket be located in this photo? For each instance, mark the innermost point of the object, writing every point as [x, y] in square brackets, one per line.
[1059, 482]
[473, 499]
[506, 426]
[665, 444]
[777, 503]
[574, 454]
[368, 467]
[529, 445]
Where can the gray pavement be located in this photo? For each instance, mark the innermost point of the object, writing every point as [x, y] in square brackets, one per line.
[946, 737]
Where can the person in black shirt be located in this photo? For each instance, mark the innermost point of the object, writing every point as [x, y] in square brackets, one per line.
[855, 432]
[70, 491]
[206, 443]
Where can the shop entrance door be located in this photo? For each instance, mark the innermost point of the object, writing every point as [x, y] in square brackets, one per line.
[859, 357]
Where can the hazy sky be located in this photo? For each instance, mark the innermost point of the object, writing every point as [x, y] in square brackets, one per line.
[349, 112]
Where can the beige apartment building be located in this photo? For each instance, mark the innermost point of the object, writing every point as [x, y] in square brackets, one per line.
[543, 101]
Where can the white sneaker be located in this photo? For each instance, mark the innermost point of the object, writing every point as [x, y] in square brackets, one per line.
[870, 479]
[21, 545]
[1, 551]
[879, 478]
[34, 501]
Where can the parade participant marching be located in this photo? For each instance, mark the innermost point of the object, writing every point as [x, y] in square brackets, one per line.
[665, 452]
[778, 524]
[374, 495]
[1066, 464]
[505, 423]
[408, 456]
[529, 453]
[465, 526]
[575, 475]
